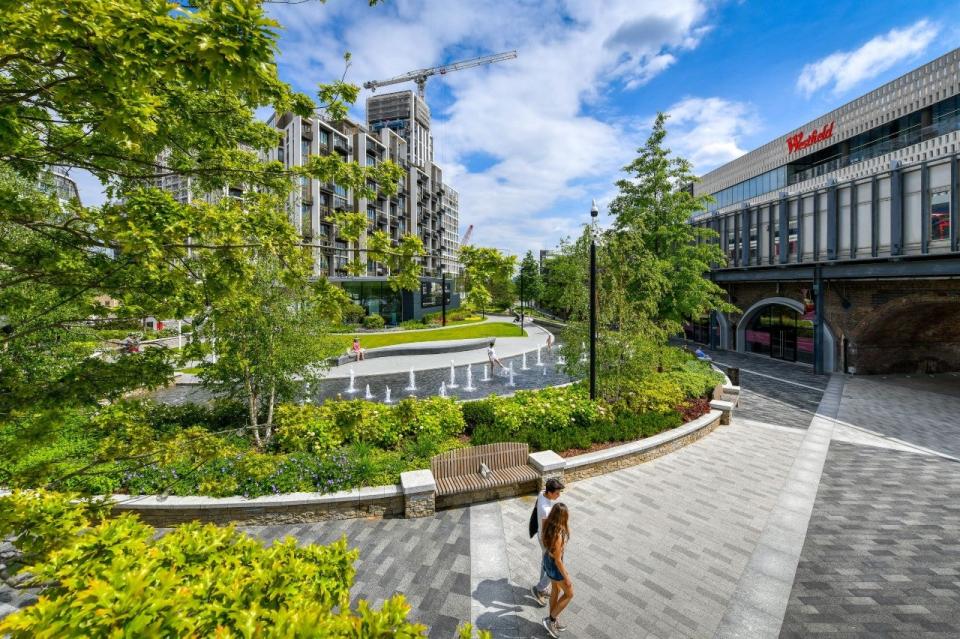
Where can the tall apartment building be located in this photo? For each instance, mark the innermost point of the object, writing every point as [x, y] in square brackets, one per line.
[407, 114]
[450, 223]
[398, 130]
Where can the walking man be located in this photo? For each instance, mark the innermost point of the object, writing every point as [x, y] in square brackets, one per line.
[545, 501]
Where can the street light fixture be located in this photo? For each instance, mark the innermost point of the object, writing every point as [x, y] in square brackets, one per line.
[594, 212]
[443, 284]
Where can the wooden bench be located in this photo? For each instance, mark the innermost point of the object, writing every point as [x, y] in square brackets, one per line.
[458, 471]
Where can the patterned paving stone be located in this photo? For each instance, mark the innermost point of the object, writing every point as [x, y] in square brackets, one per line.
[882, 553]
[657, 549]
[427, 559]
[774, 392]
[922, 411]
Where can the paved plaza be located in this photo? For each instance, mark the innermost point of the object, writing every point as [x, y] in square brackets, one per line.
[830, 507]
[785, 523]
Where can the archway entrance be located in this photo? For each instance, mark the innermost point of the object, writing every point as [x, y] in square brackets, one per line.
[782, 328]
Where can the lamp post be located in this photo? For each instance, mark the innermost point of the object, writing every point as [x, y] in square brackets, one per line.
[521, 299]
[594, 212]
[443, 284]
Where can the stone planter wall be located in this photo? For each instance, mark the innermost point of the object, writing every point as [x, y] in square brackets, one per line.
[416, 495]
[292, 508]
[633, 453]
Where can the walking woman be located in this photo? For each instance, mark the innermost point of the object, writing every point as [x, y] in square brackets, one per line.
[556, 533]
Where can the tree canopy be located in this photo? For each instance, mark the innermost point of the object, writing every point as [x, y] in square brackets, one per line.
[137, 92]
[529, 275]
[651, 270]
[487, 276]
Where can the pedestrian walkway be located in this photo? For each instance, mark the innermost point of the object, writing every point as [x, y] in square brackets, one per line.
[816, 513]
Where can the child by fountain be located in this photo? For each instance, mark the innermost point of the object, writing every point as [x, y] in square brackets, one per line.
[492, 356]
[357, 351]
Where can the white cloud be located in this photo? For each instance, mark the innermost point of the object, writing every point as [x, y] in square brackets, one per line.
[708, 131]
[531, 116]
[846, 69]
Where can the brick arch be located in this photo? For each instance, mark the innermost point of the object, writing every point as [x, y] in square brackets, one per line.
[747, 317]
[917, 333]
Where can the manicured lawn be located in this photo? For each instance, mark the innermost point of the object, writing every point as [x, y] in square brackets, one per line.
[490, 329]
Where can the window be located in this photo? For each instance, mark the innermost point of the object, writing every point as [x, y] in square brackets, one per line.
[940, 215]
[324, 138]
[430, 294]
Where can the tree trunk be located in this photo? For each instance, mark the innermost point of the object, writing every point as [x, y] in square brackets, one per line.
[273, 397]
[252, 412]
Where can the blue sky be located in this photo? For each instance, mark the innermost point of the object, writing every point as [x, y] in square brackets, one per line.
[529, 142]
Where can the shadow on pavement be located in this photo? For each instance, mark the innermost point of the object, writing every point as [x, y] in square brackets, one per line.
[505, 604]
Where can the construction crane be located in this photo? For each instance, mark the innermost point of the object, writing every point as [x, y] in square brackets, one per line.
[465, 240]
[420, 76]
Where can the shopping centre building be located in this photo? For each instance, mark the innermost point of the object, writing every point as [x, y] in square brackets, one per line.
[841, 236]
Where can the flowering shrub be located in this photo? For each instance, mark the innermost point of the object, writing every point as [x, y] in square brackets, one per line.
[435, 417]
[118, 578]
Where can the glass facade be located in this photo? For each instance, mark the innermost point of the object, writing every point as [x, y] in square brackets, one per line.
[940, 215]
[886, 138]
[699, 330]
[763, 183]
[430, 293]
[376, 297]
[781, 333]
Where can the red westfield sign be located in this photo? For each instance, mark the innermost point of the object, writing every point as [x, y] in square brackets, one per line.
[797, 141]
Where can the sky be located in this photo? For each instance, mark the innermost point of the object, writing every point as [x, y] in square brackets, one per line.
[528, 143]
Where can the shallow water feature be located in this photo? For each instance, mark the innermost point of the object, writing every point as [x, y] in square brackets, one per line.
[427, 383]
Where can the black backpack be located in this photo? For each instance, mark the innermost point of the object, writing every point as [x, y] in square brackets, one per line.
[534, 522]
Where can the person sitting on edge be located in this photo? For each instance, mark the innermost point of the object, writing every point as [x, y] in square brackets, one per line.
[357, 351]
[701, 355]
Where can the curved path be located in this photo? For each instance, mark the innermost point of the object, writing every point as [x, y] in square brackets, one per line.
[830, 507]
[505, 346]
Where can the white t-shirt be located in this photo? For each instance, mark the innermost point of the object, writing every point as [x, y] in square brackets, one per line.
[491, 354]
[543, 510]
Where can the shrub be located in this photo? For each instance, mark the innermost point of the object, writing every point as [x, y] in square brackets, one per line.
[557, 418]
[412, 325]
[120, 578]
[695, 379]
[694, 408]
[657, 393]
[366, 422]
[479, 413]
[307, 427]
[353, 313]
[40, 522]
[436, 417]
[373, 321]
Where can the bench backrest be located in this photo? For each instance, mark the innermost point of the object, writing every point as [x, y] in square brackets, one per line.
[466, 461]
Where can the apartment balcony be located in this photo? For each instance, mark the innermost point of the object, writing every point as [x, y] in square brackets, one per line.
[341, 145]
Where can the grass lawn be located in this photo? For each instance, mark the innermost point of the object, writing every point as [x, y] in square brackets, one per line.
[491, 329]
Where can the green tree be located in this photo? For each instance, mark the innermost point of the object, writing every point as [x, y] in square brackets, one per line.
[530, 276]
[486, 274]
[264, 344]
[651, 271]
[138, 91]
[565, 277]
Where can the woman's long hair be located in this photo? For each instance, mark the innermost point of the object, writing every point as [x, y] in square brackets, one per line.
[556, 525]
